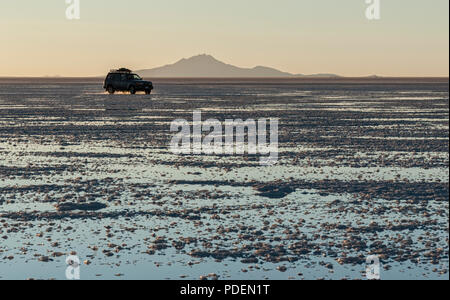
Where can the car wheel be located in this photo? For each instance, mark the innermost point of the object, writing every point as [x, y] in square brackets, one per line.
[132, 90]
[148, 91]
[111, 89]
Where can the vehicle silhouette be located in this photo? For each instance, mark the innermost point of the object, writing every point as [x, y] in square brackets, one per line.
[123, 80]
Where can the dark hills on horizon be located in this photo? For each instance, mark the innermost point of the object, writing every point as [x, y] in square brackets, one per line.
[206, 66]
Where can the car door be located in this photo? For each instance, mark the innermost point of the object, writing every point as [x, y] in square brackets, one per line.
[115, 81]
[123, 82]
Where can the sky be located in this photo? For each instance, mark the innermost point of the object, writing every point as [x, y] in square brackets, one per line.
[297, 36]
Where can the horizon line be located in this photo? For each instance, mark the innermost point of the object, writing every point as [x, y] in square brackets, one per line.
[231, 77]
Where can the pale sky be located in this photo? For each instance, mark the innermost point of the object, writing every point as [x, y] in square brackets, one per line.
[297, 36]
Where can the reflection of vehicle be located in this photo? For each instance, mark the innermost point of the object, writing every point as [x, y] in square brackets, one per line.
[125, 81]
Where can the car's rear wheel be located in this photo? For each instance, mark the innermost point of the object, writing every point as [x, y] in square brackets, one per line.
[148, 91]
[132, 90]
[111, 89]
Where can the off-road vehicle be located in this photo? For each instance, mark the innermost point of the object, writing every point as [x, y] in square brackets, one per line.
[125, 80]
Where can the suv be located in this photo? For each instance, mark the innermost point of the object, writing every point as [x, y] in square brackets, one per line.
[125, 81]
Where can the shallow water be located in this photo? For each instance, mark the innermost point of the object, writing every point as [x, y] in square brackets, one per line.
[365, 169]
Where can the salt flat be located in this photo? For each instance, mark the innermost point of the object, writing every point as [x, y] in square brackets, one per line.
[362, 170]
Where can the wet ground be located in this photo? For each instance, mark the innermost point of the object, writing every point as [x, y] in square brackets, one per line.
[363, 170]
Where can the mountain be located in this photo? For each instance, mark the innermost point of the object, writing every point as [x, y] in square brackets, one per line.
[207, 66]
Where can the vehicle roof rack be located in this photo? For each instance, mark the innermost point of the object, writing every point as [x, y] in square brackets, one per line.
[121, 70]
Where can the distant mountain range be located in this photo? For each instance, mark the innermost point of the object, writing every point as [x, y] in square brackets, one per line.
[201, 66]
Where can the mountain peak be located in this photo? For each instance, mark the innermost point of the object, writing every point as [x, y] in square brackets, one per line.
[201, 57]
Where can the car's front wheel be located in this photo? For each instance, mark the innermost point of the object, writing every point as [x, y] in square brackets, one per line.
[132, 90]
[111, 89]
[148, 91]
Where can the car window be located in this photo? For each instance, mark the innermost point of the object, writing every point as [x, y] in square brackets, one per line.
[123, 77]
